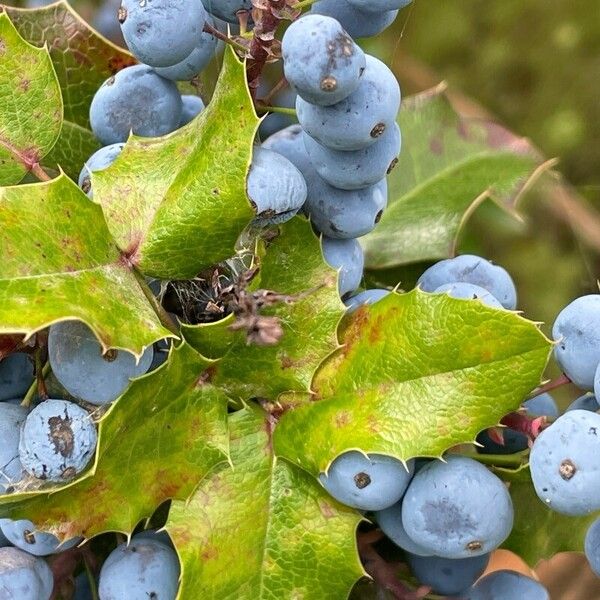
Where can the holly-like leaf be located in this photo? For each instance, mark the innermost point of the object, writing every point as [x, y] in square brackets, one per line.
[60, 262]
[447, 167]
[83, 60]
[263, 529]
[538, 532]
[31, 109]
[291, 265]
[418, 373]
[165, 434]
[75, 146]
[178, 204]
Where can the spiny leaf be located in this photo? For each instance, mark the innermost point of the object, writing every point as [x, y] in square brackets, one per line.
[31, 109]
[59, 262]
[178, 204]
[165, 433]
[418, 373]
[263, 529]
[447, 166]
[292, 265]
[83, 60]
[538, 532]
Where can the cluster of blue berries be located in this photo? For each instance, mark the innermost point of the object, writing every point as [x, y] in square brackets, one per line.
[438, 511]
[145, 567]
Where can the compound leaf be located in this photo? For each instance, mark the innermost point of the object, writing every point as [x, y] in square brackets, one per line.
[417, 374]
[178, 204]
[291, 265]
[59, 262]
[31, 109]
[447, 166]
[263, 529]
[83, 60]
[163, 435]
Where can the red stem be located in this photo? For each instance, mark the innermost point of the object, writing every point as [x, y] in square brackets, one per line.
[551, 385]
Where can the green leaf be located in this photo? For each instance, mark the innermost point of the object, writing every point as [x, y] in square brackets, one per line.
[164, 434]
[447, 167]
[60, 262]
[292, 265]
[75, 146]
[418, 373]
[83, 60]
[178, 204]
[538, 532]
[263, 529]
[31, 109]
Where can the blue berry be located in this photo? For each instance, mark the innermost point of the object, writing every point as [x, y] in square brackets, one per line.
[24, 535]
[343, 214]
[161, 33]
[203, 52]
[288, 142]
[378, 6]
[390, 522]
[543, 405]
[447, 508]
[101, 159]
[227, 9]
[16, 375]
[155, 536]
[469, 291]
[84, 371]
[564, 463]
[136, 100]
[475, 270]
[144, 569]
[320, 60]
[505, 585]
[592, 546]
[11, 419]
[577, 333]
[360, 119]
[352, 170]
[447, 576]
[192, 107]
[586, 402]
[275, 186]
[58, 440]
[514, 442]
[371, 482]
[358, 23]
[364, 298]
[24, 577]
[348, 258]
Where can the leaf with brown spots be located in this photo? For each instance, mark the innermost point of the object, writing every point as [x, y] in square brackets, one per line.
[31, 108]
[447, 167]
[178, 204]
[83, 60]
[263, 529]
[417, 374]
[292, 264]
[59, 262]
[158, 441]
